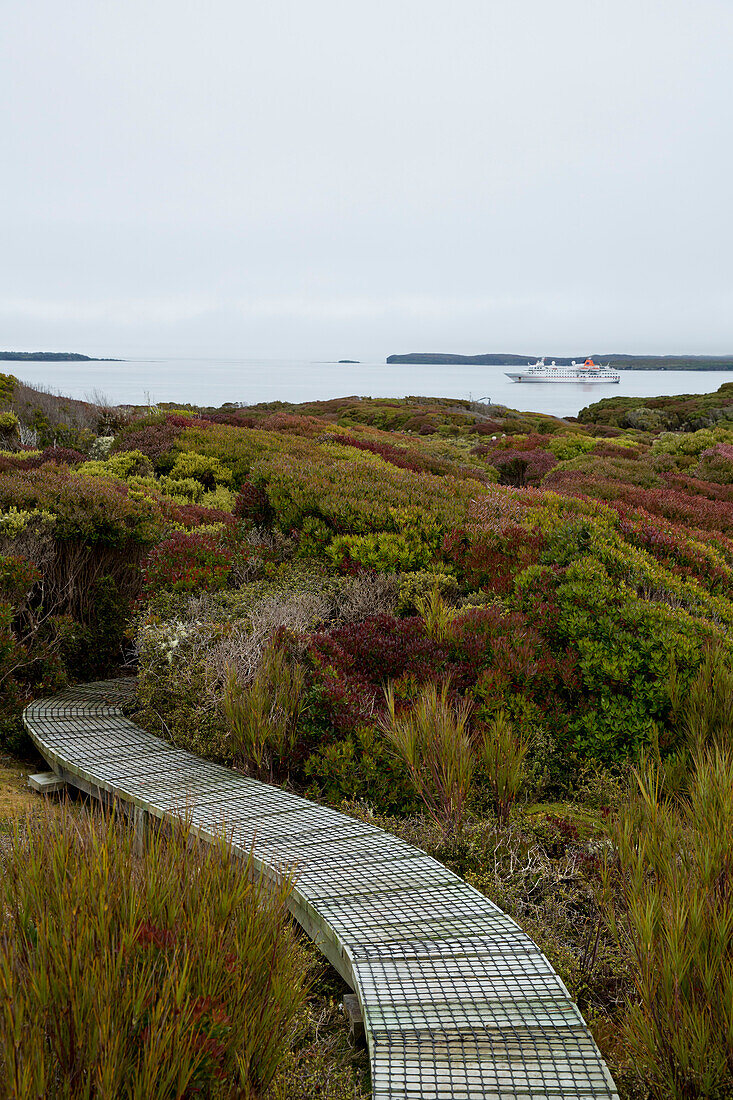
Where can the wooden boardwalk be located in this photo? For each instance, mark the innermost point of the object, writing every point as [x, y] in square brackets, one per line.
[457, 1001]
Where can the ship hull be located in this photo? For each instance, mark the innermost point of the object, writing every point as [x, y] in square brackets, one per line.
[583, 379]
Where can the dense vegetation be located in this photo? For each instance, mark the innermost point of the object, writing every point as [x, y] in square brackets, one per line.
[501, 635]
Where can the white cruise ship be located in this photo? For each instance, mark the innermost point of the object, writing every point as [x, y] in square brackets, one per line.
[576, 372]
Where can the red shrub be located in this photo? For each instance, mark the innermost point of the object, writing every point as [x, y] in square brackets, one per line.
[507, 653]
[694, 486]
[670, 545]
[234, 420]
[488, 427]
[194, 515]
[186, 562]
[153, 440]
[59, 456]
[355, 661]
[62, 456]
[522, 467]
[396, 456]
[252, 504]
[489, 557]
[696, 512]
[308, 426]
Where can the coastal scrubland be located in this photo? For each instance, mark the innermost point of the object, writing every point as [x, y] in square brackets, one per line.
[500, 635]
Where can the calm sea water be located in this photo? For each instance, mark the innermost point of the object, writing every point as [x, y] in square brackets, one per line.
[214, 381]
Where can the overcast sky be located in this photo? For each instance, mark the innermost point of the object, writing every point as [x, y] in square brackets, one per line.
[341, 178]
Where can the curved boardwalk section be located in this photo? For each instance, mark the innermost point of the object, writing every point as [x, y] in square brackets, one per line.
[457, 1001]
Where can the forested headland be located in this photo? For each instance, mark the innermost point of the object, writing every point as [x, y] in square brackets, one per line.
[619, 361]
[52, 357]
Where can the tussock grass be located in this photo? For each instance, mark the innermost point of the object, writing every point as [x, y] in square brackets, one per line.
[263, 717]
[669, 896]
[173, 975]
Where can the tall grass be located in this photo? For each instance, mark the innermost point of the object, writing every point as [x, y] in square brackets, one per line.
[707, 710]
[263, 716]
[169, 976]
[433, 739]
[443, 755]
[670, 901]
[503, 753]
[435, 613]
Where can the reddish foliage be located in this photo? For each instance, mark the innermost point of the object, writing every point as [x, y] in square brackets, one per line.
[489, 558]
[308, 426]
[154, 440]
[507, 653]
[148, 934]
[488, 427]
[186, 562]
[354, 662]
[694, 486]
[234, 420]
[680, 507]
[396, 456]
[522, 467]
[59, 456]
[670, 545]
[252, 503]
[193, 515]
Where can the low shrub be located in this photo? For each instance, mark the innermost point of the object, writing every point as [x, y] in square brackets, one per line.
[358, 767]
[188, 562]
[352, 663]
[522, 467]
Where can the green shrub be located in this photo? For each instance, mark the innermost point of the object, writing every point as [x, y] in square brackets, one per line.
[168, 976]
[683, 443]
[360, 767]
[204, 468]
[122, 465]
[413, 544]
[420, 583]
[570, 445]
[9, 429]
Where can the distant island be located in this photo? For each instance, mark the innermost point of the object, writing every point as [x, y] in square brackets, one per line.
[621, 362]
[53, 357]
[348, 360]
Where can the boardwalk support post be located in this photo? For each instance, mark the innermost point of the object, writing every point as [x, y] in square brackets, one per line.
[140, 826]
